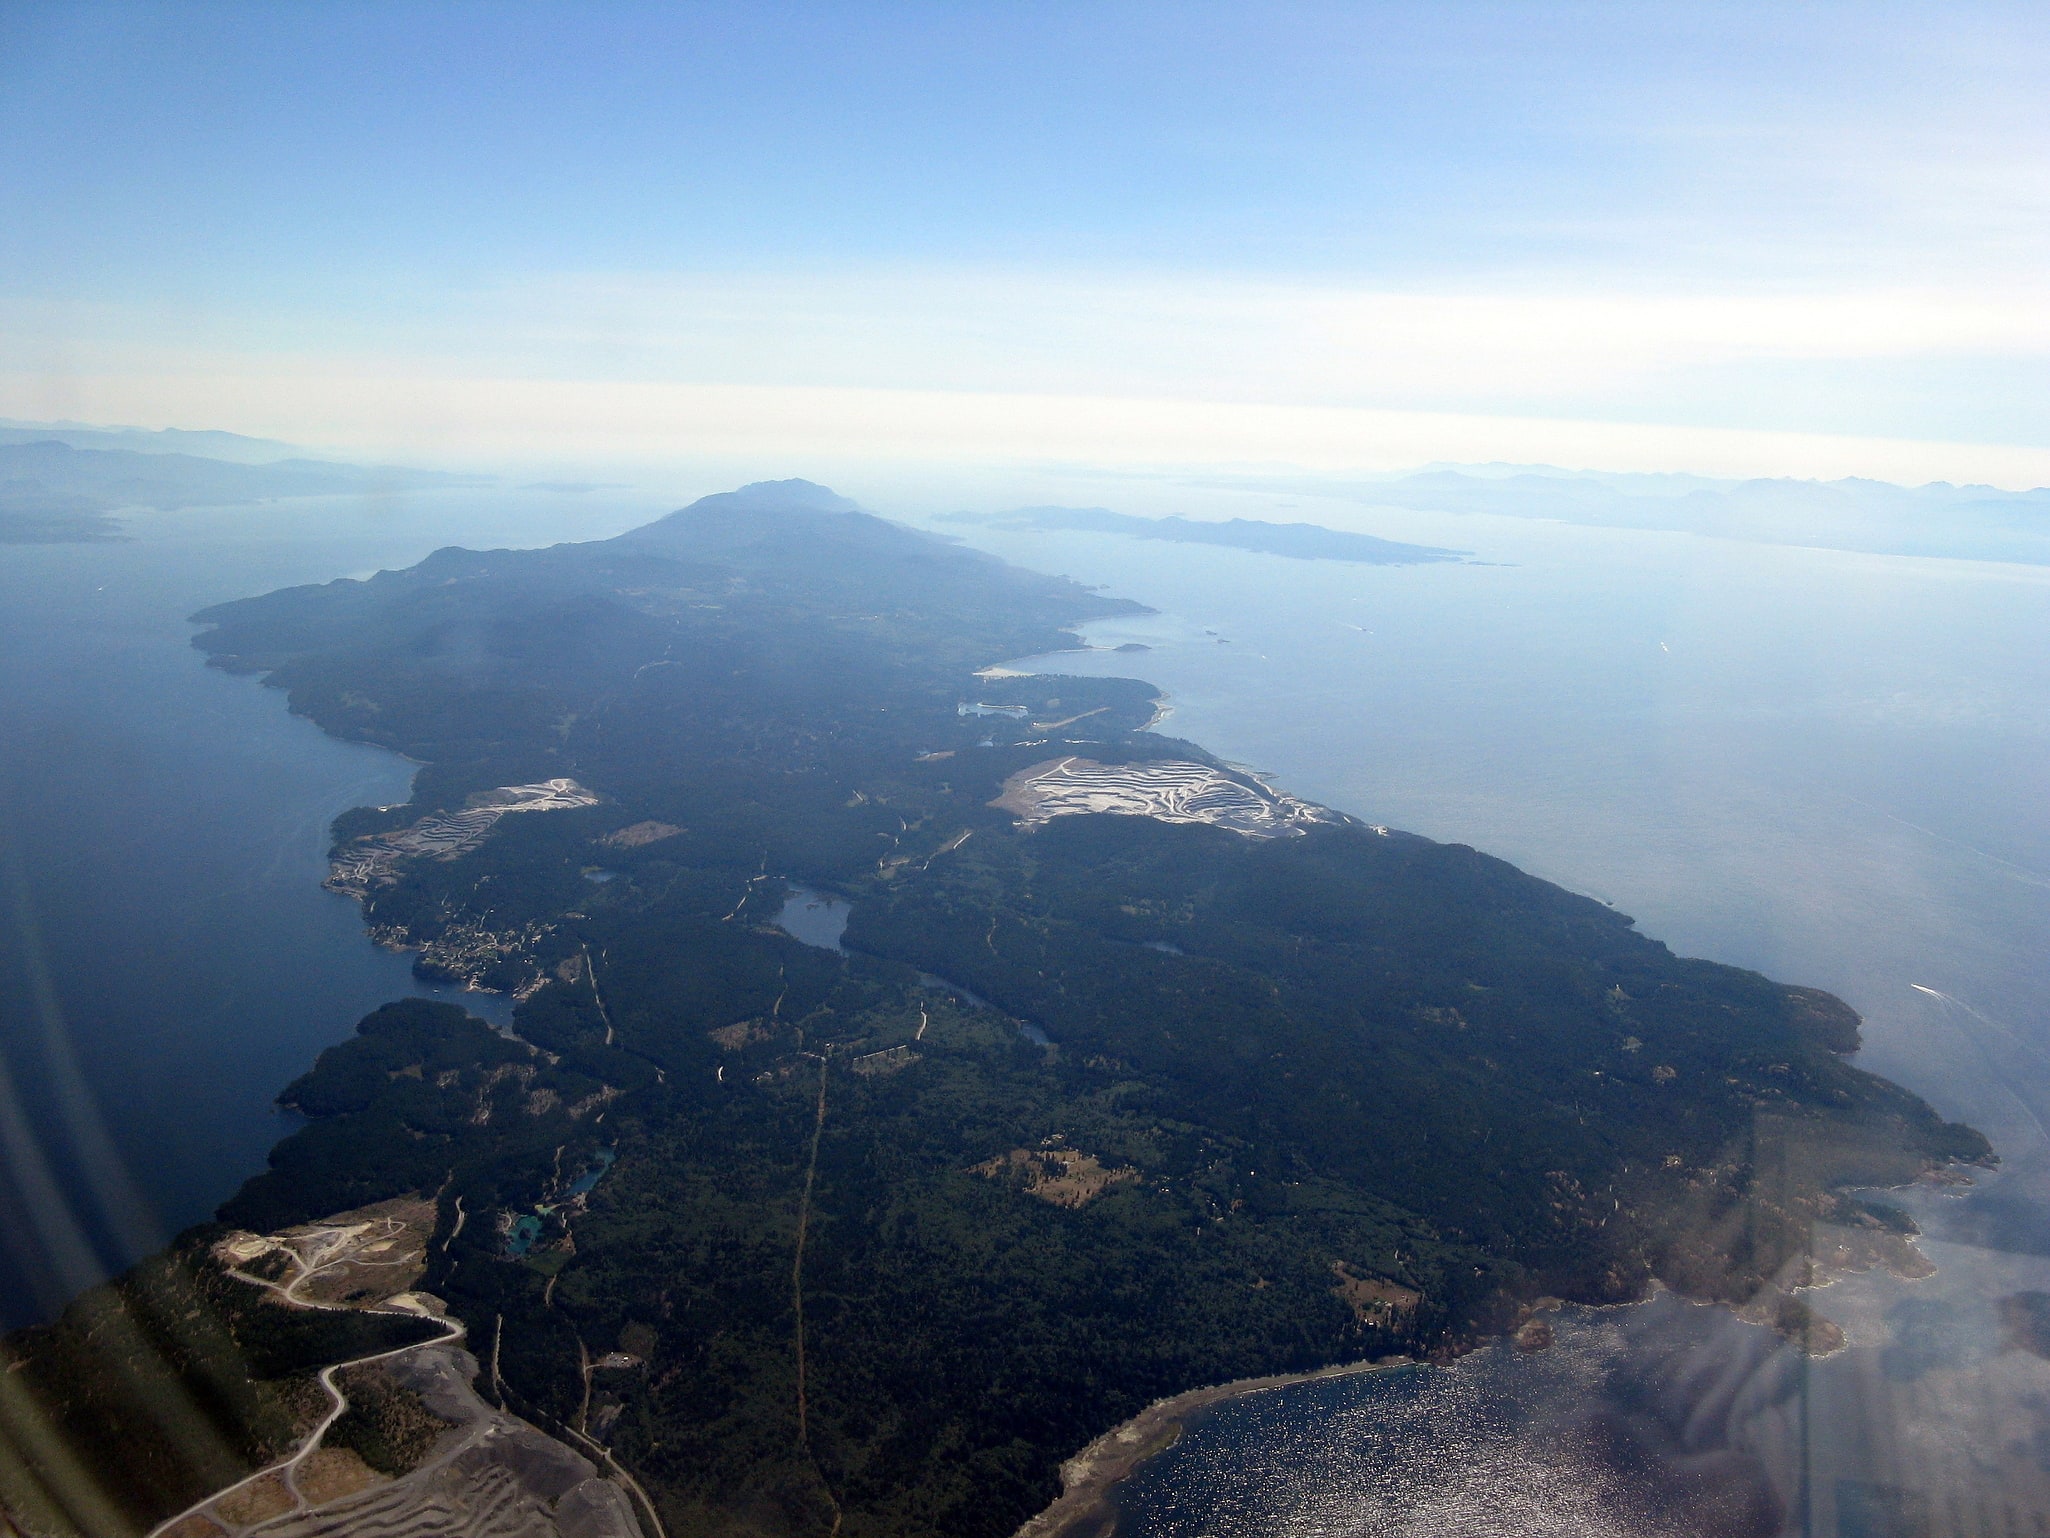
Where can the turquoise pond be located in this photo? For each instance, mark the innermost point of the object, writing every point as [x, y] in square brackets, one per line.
[527, 1227]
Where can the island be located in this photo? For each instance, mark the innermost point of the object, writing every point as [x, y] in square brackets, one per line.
[1300, 541]
[1131, 1075]
[65, 487]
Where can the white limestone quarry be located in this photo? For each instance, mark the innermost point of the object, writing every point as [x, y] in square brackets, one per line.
[374, 858]
[1168, 790]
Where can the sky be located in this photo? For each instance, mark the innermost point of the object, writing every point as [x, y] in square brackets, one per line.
[1777, 239]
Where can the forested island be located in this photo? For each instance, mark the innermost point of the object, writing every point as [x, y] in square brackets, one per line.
[1134, 1074]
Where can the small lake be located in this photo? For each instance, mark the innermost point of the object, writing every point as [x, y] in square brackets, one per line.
[528, 1227]
[821, 920]
[815, 918]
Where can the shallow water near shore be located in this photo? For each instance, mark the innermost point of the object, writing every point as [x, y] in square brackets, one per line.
[1566, 1442]
[1666, 1419]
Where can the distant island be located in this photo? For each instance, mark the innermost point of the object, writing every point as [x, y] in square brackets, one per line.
[65, 487]
[1981, 523]
[1130, 1075]
[1302, 541]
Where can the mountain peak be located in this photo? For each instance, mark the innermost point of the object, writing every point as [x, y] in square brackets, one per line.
[756, 511]
[793, 493]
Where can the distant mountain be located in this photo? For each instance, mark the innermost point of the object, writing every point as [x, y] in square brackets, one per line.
[1303, 541]
[52, 491]
[143, 440]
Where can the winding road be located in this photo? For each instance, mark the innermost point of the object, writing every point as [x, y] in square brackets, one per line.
[330, 1248]
[491, 1476]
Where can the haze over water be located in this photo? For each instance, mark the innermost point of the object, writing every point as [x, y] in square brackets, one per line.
[1825, 766]
[1828, 767]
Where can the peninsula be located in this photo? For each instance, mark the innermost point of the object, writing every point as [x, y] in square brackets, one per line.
[1134, 1075]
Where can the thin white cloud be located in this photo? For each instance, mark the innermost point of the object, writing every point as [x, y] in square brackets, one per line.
[1326, 374]
[1229, 339]
[1156, 335]
[502, 420]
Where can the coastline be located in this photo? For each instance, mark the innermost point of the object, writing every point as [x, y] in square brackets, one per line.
[1085, 1507]
[1092, 1476]
[1084, 1510]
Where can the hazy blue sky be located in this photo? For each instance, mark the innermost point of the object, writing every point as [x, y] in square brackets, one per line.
[1808, 237]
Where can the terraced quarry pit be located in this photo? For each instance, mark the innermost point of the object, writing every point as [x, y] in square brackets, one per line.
[1168, 790]
[468, 1470]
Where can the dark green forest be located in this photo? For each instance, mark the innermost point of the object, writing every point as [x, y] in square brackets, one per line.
[1332, 1096]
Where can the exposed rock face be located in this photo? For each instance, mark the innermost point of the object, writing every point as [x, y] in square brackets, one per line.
[374, 859]
[492, 1477]
[1169, 791]
[1067, 1177]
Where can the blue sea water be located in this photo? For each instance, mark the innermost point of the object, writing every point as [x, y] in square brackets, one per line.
[1828, 767]
[168, 960]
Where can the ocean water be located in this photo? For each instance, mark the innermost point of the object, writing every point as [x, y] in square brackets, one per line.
[1828, 767]
[168, 960]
